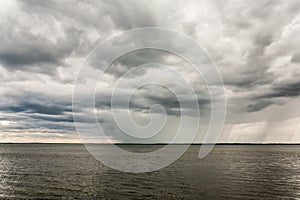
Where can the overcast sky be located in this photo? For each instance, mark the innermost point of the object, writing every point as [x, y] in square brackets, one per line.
[254, 44]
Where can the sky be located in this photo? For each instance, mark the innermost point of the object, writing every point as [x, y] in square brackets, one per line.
[43, 44]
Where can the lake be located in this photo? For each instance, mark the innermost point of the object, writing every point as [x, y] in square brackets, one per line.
[68, 171]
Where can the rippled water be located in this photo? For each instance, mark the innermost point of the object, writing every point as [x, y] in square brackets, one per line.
[229, 172]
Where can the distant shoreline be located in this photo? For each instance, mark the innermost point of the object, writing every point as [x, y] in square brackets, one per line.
[153, 143]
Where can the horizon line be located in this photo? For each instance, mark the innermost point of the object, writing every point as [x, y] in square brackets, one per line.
[220, 143]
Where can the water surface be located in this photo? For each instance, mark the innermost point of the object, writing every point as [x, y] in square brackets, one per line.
[56, 171]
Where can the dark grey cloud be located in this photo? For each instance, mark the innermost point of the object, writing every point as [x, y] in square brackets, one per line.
[296, 58]
[284, 90]
[22, 50]
[278, 94]
[31, 50]
[53, 118]
[136, 58]
[41, 126]
[28, 107]
[265, 23]
[145, 97]
[24, 122]
[52, 31]
[36, 112]
[34, 103]
[259, 105]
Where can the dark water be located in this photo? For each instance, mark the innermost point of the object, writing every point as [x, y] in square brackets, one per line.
[54, 171]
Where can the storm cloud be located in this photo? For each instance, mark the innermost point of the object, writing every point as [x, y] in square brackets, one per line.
[43, 44]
